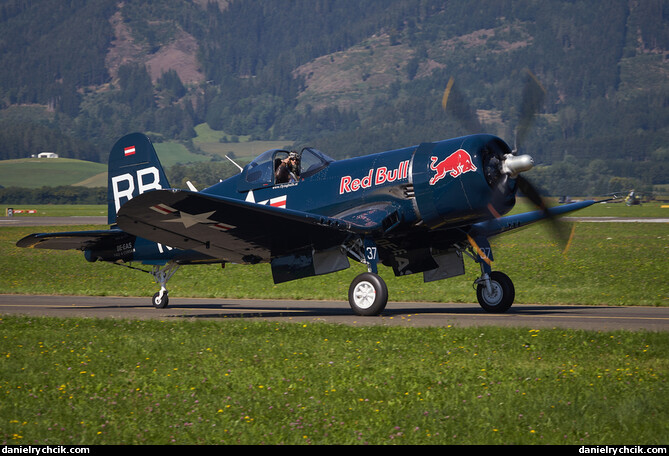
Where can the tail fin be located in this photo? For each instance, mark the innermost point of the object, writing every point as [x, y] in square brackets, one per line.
[133, 169]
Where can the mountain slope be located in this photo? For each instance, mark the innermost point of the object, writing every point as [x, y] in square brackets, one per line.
[351, 76]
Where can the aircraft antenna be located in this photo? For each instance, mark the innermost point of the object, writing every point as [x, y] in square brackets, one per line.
[234, 163]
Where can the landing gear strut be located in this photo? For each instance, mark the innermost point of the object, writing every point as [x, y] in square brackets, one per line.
[494, 289]
[161, 274]
[495, 292]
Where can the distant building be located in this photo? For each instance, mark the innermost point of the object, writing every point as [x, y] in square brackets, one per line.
[47, 155]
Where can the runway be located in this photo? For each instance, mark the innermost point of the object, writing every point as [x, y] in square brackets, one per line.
[598, 318]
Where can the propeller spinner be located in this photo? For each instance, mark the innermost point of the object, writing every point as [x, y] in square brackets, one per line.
[504, 169]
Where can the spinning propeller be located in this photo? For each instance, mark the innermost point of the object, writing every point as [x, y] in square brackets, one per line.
[502, 166]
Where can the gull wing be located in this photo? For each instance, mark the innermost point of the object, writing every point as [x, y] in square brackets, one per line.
[226, 228]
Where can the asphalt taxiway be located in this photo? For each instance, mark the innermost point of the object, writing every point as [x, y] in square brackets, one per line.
[599, 318]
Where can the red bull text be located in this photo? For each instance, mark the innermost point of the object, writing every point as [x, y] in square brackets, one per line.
[377, 176]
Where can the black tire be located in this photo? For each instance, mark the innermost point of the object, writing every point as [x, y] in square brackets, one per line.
[368, 294]
[502, 296]
[160, 303]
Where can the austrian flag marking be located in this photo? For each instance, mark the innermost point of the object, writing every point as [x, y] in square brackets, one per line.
[127, 151]
[278, 202]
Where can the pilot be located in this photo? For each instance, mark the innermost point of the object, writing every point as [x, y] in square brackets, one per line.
[288, 170]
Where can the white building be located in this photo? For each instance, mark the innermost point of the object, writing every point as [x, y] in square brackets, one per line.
[47, 155]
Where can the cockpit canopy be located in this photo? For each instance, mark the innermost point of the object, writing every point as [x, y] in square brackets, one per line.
[260, 172]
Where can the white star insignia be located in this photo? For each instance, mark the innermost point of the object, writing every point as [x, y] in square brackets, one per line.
[192, 219]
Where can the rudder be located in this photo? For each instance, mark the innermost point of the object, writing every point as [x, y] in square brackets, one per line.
[133, 169]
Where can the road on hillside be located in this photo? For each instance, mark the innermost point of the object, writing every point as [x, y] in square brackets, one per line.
[599, 318]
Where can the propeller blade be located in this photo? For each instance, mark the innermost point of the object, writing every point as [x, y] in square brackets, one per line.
[456, 103]
[560, 230]
[532, 100]
[530, 192]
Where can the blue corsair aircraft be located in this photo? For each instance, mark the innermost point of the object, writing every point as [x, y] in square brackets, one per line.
[418, 209]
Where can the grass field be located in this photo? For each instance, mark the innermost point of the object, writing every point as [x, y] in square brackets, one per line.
[88, 381]
[39, 172]
[109, 381]
[170, 153]
[208, 140]
[654, 209]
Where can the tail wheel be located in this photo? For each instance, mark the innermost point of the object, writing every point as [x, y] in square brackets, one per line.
[368, 294]
[160, 302]
[499, 297]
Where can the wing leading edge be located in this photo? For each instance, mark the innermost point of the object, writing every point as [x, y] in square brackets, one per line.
[500, 225]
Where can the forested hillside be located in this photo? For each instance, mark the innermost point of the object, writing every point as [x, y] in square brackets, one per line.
[348, 76]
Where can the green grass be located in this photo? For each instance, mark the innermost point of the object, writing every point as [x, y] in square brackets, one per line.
[108, 381]
[606, 263]
[652, 209]
[170, 153]
[89, 381]
[244, 151]
[39, 172]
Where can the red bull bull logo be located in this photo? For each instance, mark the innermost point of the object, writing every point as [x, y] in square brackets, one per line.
[459, 162]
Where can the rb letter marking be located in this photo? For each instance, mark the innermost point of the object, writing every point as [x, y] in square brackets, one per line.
[147, 179]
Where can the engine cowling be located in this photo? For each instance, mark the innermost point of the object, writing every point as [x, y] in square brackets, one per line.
[463, 180]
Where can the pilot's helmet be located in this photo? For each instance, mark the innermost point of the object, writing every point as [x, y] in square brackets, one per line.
[292, 155]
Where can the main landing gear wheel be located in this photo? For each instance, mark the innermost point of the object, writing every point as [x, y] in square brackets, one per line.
[368, 294]
[498, 297]
[160, 302]
[161, 274]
